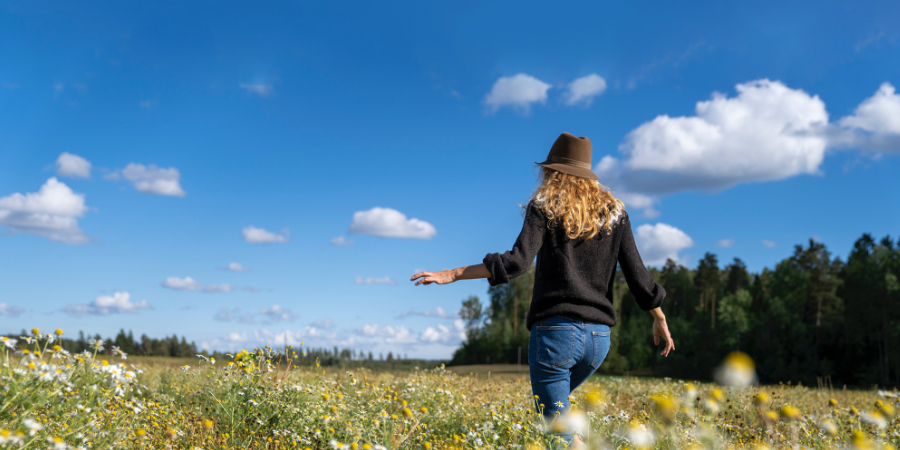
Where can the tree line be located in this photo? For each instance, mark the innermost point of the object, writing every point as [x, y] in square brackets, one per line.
[173, 346]
[145, 346]
[813, 317]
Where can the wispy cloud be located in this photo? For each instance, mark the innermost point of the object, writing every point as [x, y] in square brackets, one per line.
[236, 267]
[438, 312]
[118, 303]
[151, 179]
[370, 280]
[263, 90]
[768, 243]
[725, 243]
[255, 235]
[341, 241]
[278, 313]
[9, 310]
[190, 284]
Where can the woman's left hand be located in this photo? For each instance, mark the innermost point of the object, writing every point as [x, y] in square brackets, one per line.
[441, 277]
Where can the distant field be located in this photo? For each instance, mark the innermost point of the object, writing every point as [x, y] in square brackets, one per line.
[55, 400]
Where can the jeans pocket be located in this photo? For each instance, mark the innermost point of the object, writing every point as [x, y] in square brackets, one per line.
[601, 343]
[555, 345]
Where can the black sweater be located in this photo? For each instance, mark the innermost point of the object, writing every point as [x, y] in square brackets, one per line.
[575, 277]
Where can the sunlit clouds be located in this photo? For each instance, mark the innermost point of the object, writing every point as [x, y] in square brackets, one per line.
[52, 212]
[118, 303]
[236, 267]
[10, 310]
[583, 90]
[659, 242]
[151, 179]
[255, 235]
[190, 284]
[518, 92]
[375, 280]
[387, 222]
[69, 165]
[262, 90]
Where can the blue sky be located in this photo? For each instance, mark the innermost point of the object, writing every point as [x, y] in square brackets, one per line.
[263, 135]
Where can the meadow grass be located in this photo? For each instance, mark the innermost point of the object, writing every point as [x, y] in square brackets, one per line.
[52, 399]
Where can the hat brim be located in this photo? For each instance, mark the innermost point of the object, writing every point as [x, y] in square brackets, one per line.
[571, 170]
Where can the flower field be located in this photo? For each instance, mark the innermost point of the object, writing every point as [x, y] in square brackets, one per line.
[56, 400]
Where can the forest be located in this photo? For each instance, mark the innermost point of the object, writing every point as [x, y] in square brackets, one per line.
[813, 319]
[175, 347]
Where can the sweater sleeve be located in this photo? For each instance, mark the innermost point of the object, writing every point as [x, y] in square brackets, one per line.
[513, 263]
[648, 293]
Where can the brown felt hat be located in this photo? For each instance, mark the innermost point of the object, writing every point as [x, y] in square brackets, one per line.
[571, 155]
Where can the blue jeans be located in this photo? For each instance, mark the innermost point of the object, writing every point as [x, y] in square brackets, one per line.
[562, 353]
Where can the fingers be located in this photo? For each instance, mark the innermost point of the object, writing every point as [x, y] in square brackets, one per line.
[655, 339]
[428, 279]
[419, 275]
[670, 345]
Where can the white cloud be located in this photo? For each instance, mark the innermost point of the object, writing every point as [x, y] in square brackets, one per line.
[460, 328]
[443, 334]
[225, 315]
[725, 243]
[324, 324]
[52, 212]
[69, 165]
[768, 243]
[387, 222]
[390, 334]
[341, 241]
[584, 89]
[767, 132]
[439, 333]
[151, 179]
[875, 124]
[660, 242]
[278, 313]
[255, 235]
[263, 90]
[149, 104]
[518, 91]
[9, 310]
[371, 280]
[246, 318]
[437, 312]
[236, 267]
[118, 303]
[190, 284]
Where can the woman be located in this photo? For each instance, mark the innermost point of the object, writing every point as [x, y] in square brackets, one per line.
[578, 231]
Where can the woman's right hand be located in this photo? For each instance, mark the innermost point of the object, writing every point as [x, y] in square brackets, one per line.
[440, 277]
[661, 330]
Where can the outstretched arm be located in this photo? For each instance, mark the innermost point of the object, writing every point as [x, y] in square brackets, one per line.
[449, 276]
[498, 268]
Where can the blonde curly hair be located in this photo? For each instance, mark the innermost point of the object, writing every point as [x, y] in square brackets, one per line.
[581, 206]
